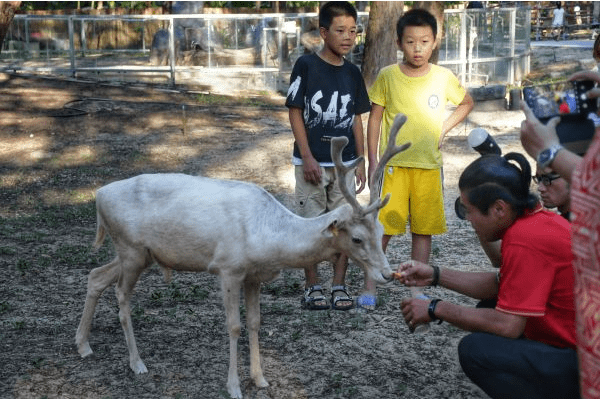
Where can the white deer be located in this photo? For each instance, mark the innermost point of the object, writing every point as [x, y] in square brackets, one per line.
[234, 229]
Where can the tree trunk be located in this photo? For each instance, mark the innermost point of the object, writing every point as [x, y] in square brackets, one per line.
[436, 8]
[380, 42]
[7, 12]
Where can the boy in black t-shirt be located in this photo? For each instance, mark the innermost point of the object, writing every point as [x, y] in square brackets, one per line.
[326, 98]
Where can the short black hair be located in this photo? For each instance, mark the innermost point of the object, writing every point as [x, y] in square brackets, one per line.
[333, 9]
[416, 17]
[492, 177]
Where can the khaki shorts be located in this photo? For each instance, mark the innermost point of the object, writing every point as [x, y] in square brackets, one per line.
[416, 196]
[315, 200]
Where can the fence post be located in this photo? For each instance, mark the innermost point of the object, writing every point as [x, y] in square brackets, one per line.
[172, 49]
[280, 33]
[72, 46]
[463, 47]
[83, 38]
[209, 36]
[513, 27]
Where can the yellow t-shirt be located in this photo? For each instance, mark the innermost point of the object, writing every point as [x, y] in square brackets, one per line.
[423, 100]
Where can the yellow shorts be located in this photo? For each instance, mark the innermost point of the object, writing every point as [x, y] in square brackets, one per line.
[416, 194]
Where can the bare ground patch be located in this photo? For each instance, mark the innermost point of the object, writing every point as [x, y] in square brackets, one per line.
[60, 141]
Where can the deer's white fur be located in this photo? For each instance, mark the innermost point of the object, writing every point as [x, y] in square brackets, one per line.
[230, 228]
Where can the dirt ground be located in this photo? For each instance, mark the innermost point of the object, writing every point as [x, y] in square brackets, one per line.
[62, 140]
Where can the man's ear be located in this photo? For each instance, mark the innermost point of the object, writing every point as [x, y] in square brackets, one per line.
[500, 208]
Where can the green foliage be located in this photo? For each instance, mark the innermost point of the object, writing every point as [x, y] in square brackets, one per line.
[23, 265]
[4, 307]
[7, 250]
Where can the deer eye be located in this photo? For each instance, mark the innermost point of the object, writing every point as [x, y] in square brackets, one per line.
[356, 240]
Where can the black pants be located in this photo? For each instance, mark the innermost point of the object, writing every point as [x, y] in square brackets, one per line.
[519, 368]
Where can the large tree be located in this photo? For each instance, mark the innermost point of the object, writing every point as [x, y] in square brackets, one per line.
[380, 41]
[7, 12]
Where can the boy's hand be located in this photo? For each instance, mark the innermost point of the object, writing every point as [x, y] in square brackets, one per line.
[361, 177]
[312, 170]
[414, 274]
[371, 170]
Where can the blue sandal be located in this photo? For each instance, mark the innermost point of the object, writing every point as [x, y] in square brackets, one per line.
[366, 301]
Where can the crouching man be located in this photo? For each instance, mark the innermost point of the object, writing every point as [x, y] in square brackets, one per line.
[524, 347]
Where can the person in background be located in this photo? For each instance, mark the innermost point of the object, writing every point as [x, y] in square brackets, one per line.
[542, 143]
[554, 190]
[558, 21]
[420, 90]
[326, 98]
[523, 345]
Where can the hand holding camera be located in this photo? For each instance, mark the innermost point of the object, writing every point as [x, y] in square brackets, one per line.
[570, 101]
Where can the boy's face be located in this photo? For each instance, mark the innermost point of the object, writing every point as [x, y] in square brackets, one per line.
[340, 37]
[417, 45]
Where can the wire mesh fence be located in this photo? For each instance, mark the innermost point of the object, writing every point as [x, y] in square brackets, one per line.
[229, 53]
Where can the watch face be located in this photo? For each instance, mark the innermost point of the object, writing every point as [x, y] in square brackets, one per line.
[544, 156]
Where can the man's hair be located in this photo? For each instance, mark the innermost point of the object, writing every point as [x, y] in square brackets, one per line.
[493, 177]
[416, 17]
[334, 9]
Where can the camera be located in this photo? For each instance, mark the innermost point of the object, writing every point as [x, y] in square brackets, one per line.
[569, 101]
[481, 141]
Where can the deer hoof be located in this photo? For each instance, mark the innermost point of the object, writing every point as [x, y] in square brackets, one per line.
[138, 367]
[84, 349]
[262, 383]
[235, 392]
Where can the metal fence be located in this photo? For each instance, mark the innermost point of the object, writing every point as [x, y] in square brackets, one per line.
[229, 53]
[483, 46]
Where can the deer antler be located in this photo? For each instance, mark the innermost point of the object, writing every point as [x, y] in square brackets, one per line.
[337, 146]
[392, 149]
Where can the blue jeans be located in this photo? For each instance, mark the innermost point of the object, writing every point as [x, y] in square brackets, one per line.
[519, 368]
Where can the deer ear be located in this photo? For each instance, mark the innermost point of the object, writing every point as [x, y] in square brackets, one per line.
[337, 219]
[333, 229]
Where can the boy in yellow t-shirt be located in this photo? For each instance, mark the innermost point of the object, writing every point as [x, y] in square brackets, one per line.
[419, 90]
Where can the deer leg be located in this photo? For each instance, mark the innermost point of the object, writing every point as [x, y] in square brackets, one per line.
[98, 280]
[252, 295]
[231, 298]
[130, 272]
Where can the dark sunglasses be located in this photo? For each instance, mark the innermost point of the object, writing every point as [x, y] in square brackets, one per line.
[546, 180]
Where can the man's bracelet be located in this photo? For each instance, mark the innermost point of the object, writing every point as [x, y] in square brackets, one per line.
[431, 310]
[436, 276]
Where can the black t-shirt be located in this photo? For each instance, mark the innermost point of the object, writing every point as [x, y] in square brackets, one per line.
[330, 97]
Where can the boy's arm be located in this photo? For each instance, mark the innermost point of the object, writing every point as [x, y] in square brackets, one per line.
[312, 169]
[373, 131]
[359, 138]
[459, 114]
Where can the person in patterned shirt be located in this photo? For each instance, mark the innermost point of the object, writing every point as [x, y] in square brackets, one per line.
[584, 176]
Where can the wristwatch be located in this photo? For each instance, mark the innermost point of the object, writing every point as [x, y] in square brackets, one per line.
[546, 157]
